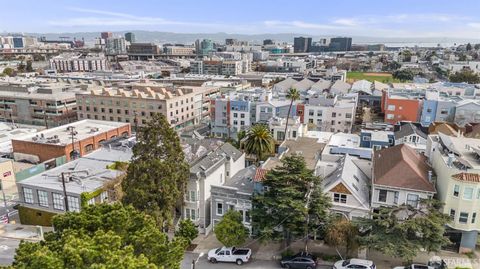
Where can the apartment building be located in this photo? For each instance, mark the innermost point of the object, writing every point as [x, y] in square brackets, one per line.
[329, 113]
[467, 111]
[79, 63]
[179, 50]
[136, 103]
[38, 101]
[399, 106]
[217, 67]
[456, 163]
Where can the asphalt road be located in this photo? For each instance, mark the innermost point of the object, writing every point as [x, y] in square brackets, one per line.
[7, 250]
[253, 264]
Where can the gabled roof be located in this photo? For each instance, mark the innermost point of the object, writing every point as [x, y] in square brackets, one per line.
[340, 87]
[407, 129]
[303, 84]
[321, 85]
[285, 84]
[401, 167]
[351, 176]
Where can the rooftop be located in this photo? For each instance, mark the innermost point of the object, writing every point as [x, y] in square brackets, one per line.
[61, 135]
[87, 173]
[243, 181]
[402, 167]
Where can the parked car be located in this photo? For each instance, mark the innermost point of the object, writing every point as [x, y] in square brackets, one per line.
[224, 254]
[354, 264]
[301, 260]
[414, 266]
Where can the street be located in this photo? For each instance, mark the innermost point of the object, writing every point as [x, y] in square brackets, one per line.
[7, 250]
[254, 264]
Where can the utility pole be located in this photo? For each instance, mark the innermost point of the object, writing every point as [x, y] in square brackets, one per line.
[307, 216]
[45, 118]
[73, 133]
[65, 198]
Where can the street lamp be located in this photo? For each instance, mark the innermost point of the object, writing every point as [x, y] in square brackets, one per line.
[196, 260]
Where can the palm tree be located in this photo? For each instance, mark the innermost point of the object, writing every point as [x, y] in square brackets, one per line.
[293, 95]
[259, 141]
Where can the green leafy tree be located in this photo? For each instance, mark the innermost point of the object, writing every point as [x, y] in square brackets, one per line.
[259, 141]
[462, 57]
[342, 233]
[466, 75]
[281, 211]
[403, 75]
[292, 95]
[407, 55]
[9, 71]
[187, 230]
[230, 231]
[103, 236]
[469, 47]
[29, 67]
[403, 231]
[477, 46]
[21, 67]
[394, 65]
[158, 173]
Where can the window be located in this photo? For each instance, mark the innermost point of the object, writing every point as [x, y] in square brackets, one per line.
[242, 116]
[235, 115]
[412, 200]
[242, 123]
[468, 193]
[190, 214]
[193, 197]
[88, 148]
[463, 217]
[348, 115]
[340, 198]
[429, 110]
[319, 113]
[28, 195]
[334, 114]
[366, 138]
[219, 209]
[390, 116]
[311, 112]
[395, 198]
[391, 107]
[478, 194]
[58, 201]
[294, 134]
[247, 216]
[456, 190]
[452, 213]
[382, 196]
[42, 198]
[474, 216]
[73, 204]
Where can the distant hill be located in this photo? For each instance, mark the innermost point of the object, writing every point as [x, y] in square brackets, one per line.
[189, 38]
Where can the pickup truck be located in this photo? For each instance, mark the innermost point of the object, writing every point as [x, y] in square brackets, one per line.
[414, 266]
[224, 254]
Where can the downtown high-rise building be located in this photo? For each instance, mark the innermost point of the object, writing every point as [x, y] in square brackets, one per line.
[302, 44]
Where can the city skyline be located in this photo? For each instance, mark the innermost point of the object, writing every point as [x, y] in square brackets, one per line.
[375, 18]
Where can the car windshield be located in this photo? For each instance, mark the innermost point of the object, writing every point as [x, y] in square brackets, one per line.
[345, 263]
[217, 250]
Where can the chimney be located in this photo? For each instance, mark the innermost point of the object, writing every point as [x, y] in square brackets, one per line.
[430, 173]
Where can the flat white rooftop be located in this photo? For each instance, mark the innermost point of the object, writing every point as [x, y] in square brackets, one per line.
[61, 135]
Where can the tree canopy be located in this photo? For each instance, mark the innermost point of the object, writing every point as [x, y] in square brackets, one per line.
[230, 231]
[158, 173]
[403, 231]
[103, 236]
[342, 233]
[259, 141]
[187, 230]
[280, 212]
[403, 75]
[467, 76]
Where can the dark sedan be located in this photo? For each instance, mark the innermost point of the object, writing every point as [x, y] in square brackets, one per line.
[299, 261]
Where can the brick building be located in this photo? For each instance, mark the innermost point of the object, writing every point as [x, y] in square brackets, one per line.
[86, 136]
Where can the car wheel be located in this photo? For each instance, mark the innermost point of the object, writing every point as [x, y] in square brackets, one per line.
[309, 267]
[239, 262]
[287, 266]
[213, 260]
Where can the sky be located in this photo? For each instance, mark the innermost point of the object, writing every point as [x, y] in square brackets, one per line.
[372, 18]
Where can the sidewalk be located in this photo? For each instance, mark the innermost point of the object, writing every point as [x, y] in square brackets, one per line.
[18, 231]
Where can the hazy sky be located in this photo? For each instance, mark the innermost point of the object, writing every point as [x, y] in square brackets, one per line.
[376, 18]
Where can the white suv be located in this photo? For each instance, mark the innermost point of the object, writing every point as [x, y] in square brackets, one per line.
[354, 264]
